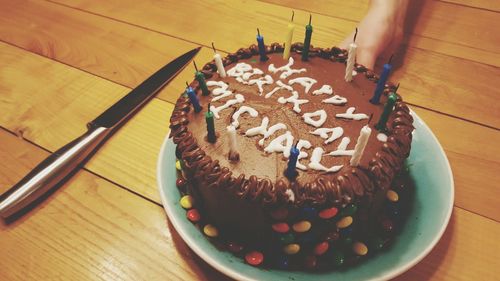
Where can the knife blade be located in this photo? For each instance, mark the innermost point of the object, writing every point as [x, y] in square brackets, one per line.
[62, 164]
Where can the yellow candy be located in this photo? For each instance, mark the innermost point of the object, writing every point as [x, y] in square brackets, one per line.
[360, 249]
[291, 249]
[187, 201]
[344, 222]
[301, 226]
[392, 195]
[178, 165]
[210, 230]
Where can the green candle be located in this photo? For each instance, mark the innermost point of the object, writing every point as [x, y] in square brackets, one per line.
[201, 81]
[209, 117]
[307, 40]
[381, 125]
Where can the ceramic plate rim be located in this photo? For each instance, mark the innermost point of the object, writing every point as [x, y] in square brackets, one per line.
[190, 241]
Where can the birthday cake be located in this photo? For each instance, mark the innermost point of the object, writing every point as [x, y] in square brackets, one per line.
[286, 164]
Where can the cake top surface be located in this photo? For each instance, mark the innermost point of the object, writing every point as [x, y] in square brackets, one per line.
[279, 103]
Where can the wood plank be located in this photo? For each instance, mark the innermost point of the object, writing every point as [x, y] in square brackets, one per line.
[137, 144]
[431, 25]
[116, 51]
[428, 67]
[481, 4]
[89, 229]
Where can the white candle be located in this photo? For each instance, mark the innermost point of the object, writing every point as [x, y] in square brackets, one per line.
[364, 135]
[351, 59]
[233, 147]
[220, 66]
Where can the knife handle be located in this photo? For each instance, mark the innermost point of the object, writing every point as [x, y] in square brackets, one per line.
[51, 171]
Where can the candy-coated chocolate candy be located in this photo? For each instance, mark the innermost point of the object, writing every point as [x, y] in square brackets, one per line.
[178, 165]
[321, 248]
[349, 210]
[387, 225]
[281, 227]
[254, 258]
[301, 226]
[344, 222]
[291, 249]
[234, 247]
[180, 182]
[308, 213]
[332, 236]
[338, 258]
[193, 215]
[279, 214]
[282, 262]
[392, 195]
[187, 201]
[345, 231]
[310, 262]
[287, 238]
[328, 213]
[210, 230]
[360, 248]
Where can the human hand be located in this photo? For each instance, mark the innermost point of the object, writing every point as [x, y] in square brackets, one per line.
[380, 32]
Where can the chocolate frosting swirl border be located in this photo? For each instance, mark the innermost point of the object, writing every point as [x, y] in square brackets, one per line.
[355, 184]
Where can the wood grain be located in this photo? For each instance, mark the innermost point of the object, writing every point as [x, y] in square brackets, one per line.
[136, 145]
[92, 229]
[481, 4]
[431, 25]
[89, 229]
[426, 65]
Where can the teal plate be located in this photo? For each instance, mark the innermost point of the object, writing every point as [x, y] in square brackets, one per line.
[427, 221]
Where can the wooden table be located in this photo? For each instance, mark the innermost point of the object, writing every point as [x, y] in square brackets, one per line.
[62, 62]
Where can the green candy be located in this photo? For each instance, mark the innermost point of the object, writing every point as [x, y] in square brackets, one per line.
[338, 258]
[349, 210]
[287, 238]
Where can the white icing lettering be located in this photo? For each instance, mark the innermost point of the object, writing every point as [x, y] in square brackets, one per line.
[262, 130]
[306, 82]
[341, 149]
[287, 70]
[337, 100]
[302, 154]
[315, 162]
[316, 123]
[349, 114]
[336, 133]
[276, 145]
[325, 89]
[294, 98]
[242, 110]
[382, 137]
[238, 99]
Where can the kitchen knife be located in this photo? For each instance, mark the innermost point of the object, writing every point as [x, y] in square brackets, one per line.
[60, 165]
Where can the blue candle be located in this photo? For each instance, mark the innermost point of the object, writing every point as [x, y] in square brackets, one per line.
[193, 98]
[381, 83]
[262, 48]
[290, 172]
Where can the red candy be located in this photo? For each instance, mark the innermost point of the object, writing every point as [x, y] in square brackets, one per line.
[193, 215]
[254, 258]
[310, 262]
[281, 227]
[234, 247]
[328, 213]
[279, 214]
[321, 248]
[180, 182]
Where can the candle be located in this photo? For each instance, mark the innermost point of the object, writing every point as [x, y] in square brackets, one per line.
[391, 100]
[218, 63]
[307, 40]
[351, 59]
[381, 82]
[288, 39]
[262, 47]
[233, 147]
[201, 80]
[209, 118]
[193, 98]
[364, 135]
[291, 172]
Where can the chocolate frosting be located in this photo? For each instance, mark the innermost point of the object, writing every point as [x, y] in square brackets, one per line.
[374, 173]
